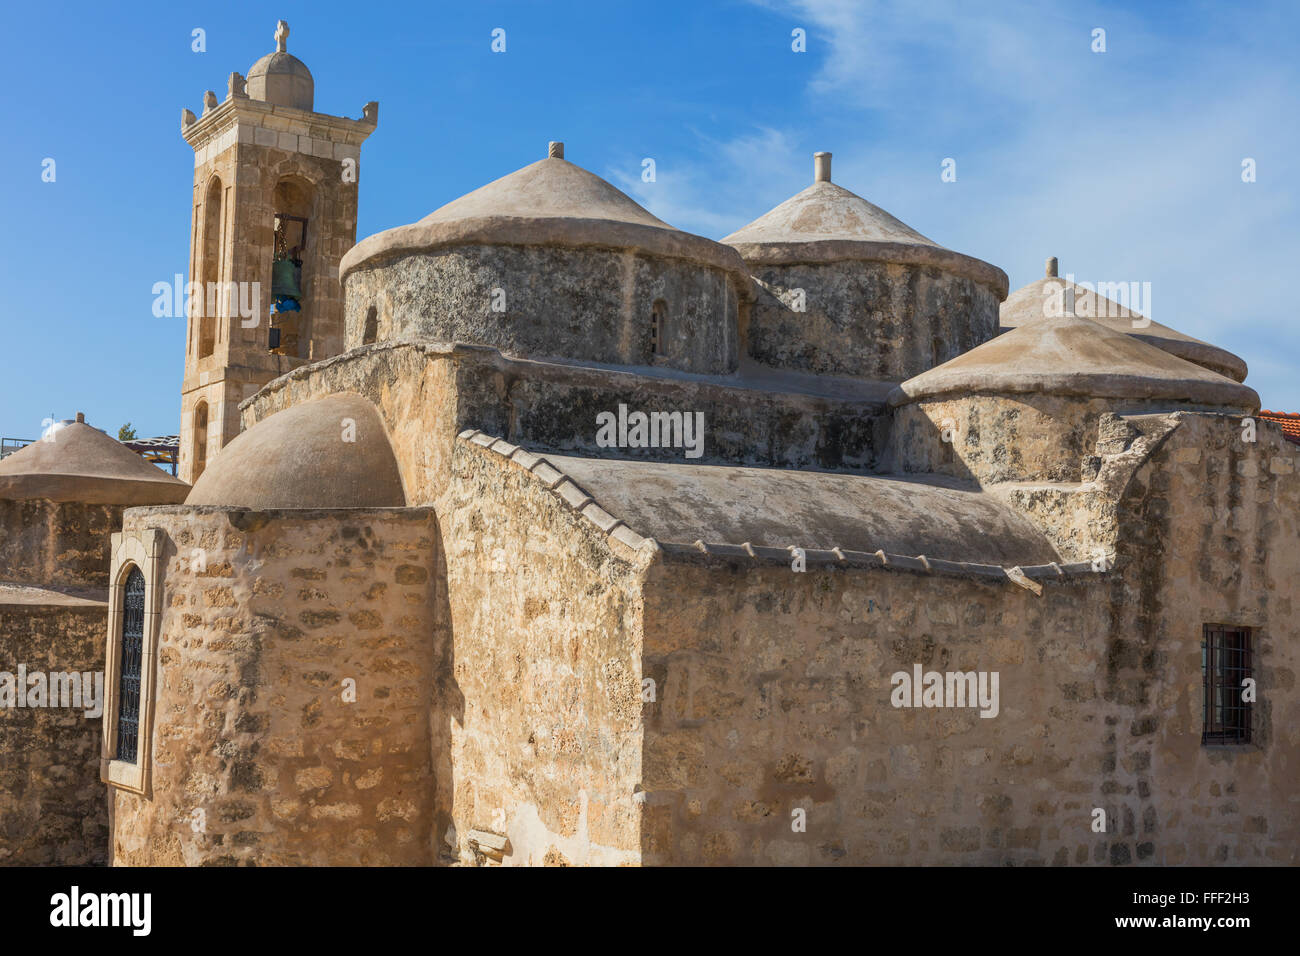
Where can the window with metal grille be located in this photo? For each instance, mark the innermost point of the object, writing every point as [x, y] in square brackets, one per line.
[128, 686]
[1225, 665]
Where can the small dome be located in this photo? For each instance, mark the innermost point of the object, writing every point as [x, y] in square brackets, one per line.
[1029, 303]
[75, 462]
[1069, 355]
[280, 77]
[827, 223]
[551, 202]
[328, 453]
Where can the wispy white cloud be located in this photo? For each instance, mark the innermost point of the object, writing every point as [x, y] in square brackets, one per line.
[711, 185]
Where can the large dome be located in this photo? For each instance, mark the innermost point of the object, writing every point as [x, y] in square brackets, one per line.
[550, 202]
[281, 78]
[328, 453]
[76, 462]
[550, 262]
[846, 289]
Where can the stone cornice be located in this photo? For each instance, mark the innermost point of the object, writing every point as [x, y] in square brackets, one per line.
[241, 109]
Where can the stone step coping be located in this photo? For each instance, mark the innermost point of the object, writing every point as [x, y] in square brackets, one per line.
[749, 378]
[614, 528]
[18, 594]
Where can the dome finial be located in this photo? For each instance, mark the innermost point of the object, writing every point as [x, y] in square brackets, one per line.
[1051, 267]
[821, 167]
[282, 36]
[554, 150]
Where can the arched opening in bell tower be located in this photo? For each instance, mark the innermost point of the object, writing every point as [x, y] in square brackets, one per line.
[291, 271]
[209, 267]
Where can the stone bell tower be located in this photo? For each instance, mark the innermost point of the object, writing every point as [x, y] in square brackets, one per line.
[275, 209]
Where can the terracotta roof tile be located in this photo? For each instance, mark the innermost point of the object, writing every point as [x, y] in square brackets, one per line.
[1290, 422]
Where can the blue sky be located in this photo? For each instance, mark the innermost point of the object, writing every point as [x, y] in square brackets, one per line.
[1124, 164]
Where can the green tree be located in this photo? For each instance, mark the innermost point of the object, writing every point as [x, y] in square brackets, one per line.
[126, 433]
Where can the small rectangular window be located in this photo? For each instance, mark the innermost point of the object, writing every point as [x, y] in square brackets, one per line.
[1225, 666]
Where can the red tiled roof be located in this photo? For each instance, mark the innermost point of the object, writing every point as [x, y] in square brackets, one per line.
[1290, 422]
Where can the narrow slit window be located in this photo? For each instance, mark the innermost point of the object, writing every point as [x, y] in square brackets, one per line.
[1226, 665]
[132, 657]
[200, 440]
[657, 336]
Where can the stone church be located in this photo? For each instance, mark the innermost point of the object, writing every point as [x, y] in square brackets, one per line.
[539, 531]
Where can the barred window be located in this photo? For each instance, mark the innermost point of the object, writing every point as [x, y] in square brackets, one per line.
[128, 693]
[1225, 665]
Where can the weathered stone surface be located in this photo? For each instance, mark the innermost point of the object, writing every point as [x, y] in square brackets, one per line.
[604, 296]
[57, 543]
[872, 320]
[544, 718]
[53, 809]
[254, 733]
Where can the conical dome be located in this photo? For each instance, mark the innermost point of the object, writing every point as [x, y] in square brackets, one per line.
[828, 223]
[550, 202]
[1069, 355]
[1044, 297]
[80, 463]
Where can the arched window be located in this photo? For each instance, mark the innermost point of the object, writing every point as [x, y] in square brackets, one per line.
[371, 331]
[210, 268]
[126, 749]
[658, 333]
[132, 658]
[200, 441]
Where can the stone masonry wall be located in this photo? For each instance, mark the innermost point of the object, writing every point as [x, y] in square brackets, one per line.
[546, 736]
[774, 696]
[56, 543]
[1209, 529]
[867, 319]
[587, 304]
[427, 394]
[251, 727]
[60, 544]
[996, 438]
[53, 809]
[775, 693]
